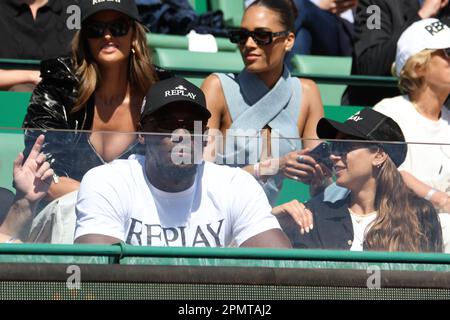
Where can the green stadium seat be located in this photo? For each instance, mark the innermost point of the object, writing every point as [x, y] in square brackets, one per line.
[233, 10]
[10, 145]
[324, 65]
[195, 66]
[200, 6]
[13, 107]
[155, 40]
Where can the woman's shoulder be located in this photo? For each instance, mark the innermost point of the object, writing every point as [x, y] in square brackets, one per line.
[308, 85]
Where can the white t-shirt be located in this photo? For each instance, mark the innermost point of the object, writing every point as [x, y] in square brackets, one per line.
[225, 205]
[361, 226]
[429, 163]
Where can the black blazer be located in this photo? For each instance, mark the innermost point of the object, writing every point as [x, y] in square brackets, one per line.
[333, 227]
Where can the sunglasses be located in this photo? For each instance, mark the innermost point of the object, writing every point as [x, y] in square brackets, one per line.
[260, 36]
[97, 29]
[446, 52]
[341, 148]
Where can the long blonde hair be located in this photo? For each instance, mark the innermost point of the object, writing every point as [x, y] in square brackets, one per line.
[141, 72]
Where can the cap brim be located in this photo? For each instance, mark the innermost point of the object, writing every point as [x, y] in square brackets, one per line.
[328, 129]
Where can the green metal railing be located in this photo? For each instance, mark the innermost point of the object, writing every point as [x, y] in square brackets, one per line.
[198, 71]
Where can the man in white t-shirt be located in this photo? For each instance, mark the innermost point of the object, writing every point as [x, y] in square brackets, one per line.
[170, 197]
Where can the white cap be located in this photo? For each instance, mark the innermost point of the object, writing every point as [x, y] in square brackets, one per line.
[424, 34]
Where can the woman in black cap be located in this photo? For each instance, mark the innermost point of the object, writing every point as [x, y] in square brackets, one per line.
[100, 88]
[380, 212]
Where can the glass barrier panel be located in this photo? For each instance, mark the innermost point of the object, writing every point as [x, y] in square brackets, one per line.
[177, 189]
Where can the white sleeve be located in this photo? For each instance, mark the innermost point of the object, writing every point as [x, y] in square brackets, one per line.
[251, 212]
[100, 207]
[382, 107]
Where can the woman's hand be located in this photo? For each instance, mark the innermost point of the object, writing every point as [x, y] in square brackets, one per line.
[297, 210]
[297, 165]
[34, 77]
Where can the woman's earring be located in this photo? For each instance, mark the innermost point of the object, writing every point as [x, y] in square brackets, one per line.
[133, 51]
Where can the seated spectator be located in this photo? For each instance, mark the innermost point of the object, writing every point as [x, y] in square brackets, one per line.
[32, 179]
[32, 30]
[266, 102]
[178, 17]
[154, 200]
[378, 26]
[380, 213]
[323, 27]
[101, 88]
[423, 67]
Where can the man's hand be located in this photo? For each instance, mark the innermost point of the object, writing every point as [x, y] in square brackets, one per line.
[431, 8]
[340, 6]
[337, 6]
[32, 178]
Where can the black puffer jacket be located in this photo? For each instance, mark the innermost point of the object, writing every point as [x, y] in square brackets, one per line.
[69, 152]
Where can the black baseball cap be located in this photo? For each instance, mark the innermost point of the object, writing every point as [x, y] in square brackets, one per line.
[368, 124]
[91, 7]
[174, 90]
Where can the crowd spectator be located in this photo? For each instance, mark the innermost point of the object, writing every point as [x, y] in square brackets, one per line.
[32, 30]
[378, 26]
[101, 88]
[380, 213]
[264, 100]
[32, 179]
[423, 66]
[323, 27]
[155, 200]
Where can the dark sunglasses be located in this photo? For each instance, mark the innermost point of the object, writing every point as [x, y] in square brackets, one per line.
[446, 52]
[97, 29]
[260, 36]
[341, 148]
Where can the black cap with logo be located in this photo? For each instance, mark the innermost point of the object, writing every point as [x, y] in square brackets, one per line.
[91, 7]
[167, 92]
[368, 124]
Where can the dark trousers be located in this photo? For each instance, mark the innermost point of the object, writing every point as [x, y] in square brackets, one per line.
[320, 32]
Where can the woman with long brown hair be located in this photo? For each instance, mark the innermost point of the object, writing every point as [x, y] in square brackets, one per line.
[380, 213]
[100, 88]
